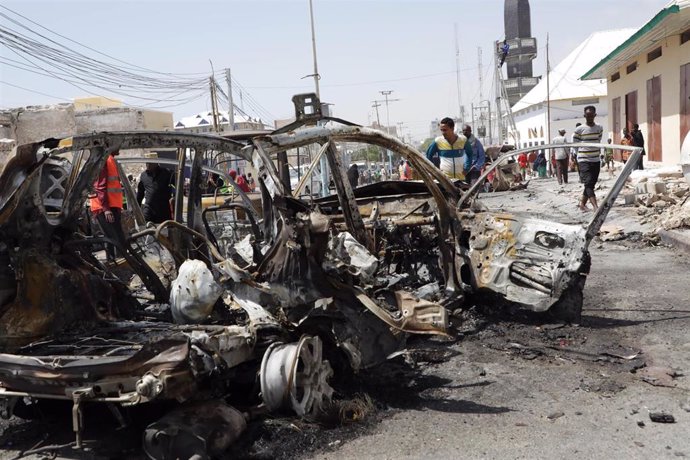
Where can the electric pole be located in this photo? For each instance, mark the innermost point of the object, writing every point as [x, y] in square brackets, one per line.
[461, 113]
[481, 77]
[548, 94]
[400, 130]
[214, 102]
[231, 107]
[387, 93]
[376, 105]
[313, 50]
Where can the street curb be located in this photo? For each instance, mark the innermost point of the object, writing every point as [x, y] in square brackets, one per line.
[679, 240]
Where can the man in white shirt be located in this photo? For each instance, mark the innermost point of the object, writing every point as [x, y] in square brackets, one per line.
[561, 156]
[588, 161]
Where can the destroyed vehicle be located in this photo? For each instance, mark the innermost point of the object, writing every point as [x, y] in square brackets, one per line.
[436, 239]
[217, 296]
[195, 308]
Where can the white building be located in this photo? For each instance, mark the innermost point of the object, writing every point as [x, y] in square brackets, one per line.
[649, 82]
[202, 122]
[567, 93]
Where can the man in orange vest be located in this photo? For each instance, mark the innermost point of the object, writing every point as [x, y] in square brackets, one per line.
[106, 205]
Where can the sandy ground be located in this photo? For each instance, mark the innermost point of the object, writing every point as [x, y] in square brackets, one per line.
[512, 385]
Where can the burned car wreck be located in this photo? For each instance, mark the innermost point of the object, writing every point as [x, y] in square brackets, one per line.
[258, 297]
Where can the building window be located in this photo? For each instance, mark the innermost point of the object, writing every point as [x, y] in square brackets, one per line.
[615, 76]
[654, 54]
[685, 36]
[631, 68]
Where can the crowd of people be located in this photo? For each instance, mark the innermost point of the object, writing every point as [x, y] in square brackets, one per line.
[586, 161]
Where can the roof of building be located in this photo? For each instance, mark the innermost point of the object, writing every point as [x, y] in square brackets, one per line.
[206, 119]
[564, 79]
[665, 23]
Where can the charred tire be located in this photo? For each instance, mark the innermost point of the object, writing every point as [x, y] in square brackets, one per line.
[569, 306]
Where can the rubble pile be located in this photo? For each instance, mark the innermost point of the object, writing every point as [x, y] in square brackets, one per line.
[662, 198]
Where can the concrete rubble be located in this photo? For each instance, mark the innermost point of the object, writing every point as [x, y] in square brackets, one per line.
[662, 197]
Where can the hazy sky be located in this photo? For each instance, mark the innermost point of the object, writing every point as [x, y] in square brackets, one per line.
[363, 47]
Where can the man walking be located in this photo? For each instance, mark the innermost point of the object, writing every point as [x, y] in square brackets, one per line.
[478, 157]
[154, 191]
[561, 155]
[638, 141]
[453, 152]
[106, 204]
[588, 161]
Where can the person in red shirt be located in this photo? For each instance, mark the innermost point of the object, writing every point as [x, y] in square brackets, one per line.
[106, 204]
[240, 181]
[522, 161]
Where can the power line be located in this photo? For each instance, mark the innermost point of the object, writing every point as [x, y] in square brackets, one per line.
[86, 46]
[33, 91]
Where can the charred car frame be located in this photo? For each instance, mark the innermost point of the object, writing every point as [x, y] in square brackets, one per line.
[297, 280]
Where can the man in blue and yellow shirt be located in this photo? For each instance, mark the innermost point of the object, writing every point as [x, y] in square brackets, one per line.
[451, 152]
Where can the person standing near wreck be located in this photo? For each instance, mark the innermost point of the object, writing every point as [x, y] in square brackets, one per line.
[155, 191]
[106, 204]
[353, 175]
[638, 141]
[478, 157]
[588, 161]
[561, 155]
[452, 150]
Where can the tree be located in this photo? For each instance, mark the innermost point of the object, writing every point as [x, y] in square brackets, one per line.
[425, 145]
[370, 153]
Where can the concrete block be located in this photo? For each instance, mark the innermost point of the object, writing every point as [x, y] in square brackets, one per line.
[656, 187]
[641, 189]
[629, 198]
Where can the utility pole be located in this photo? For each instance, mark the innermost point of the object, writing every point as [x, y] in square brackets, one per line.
[481, 77]
[313, 50]
[387, 93]
[461, 113]
[548, 93]
[231, 106]
[214, 103]
[400, 128]
[376, 105]
[324, 161]
[548, 103]
[497, 75]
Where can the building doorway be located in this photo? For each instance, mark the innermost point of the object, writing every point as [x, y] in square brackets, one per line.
[616, 109]
[630, 110]
[654, 119]
[684, 101]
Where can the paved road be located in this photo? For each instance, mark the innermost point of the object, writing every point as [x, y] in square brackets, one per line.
[513, 386]
[518, 390]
